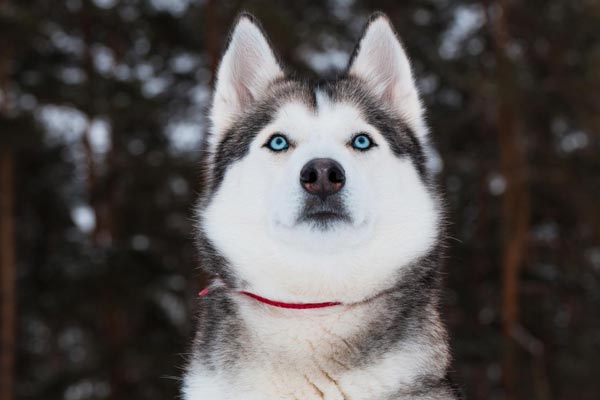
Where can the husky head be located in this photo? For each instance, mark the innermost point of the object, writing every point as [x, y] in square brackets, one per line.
[315, 191]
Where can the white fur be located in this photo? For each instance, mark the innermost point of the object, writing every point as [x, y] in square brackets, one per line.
[383, 64]
[298, 358]
[251, 218]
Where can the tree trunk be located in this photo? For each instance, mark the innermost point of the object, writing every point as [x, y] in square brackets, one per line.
[211, 34]
[7, 275]
[8, 301]
[100, 192]
[515, 203]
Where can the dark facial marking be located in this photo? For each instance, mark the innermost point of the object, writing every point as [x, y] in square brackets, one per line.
[237, 140]
[397, 133]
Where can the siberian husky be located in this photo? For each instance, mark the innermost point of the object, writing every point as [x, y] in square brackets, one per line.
[322, 227]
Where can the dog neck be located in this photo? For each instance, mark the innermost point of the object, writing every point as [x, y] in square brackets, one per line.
[218, 282]
[279, 304]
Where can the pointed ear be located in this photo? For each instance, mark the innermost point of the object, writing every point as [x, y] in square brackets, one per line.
[246, 70]
[380, 61]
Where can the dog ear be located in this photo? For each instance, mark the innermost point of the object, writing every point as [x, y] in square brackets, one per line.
[246, 70]
[380, 61]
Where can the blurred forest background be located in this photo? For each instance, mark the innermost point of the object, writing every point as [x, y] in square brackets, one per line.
[102, 108]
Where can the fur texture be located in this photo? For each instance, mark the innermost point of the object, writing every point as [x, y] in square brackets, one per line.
[375, 246]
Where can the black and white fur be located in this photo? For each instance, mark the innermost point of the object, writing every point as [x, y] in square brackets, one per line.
[381, 260]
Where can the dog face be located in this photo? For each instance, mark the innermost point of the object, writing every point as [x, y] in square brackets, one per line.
[316, 192]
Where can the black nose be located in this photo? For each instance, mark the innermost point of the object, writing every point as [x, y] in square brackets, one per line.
[322, 177]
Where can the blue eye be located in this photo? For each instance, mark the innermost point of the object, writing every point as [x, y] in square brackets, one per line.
[362, 142]
[278, 143]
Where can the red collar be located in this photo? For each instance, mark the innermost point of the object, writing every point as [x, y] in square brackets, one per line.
[274, 303]
[295, 306]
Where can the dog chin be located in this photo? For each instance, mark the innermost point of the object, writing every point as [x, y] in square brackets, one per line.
[324, 219]
[323, 231]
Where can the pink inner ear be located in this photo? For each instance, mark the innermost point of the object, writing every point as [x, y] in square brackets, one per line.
[382, 63]
[246, 70]
[243, 77]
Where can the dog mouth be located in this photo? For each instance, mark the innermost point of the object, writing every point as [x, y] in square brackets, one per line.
[324, 214]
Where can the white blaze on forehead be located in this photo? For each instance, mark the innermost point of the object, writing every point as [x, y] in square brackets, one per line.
[321, 97]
